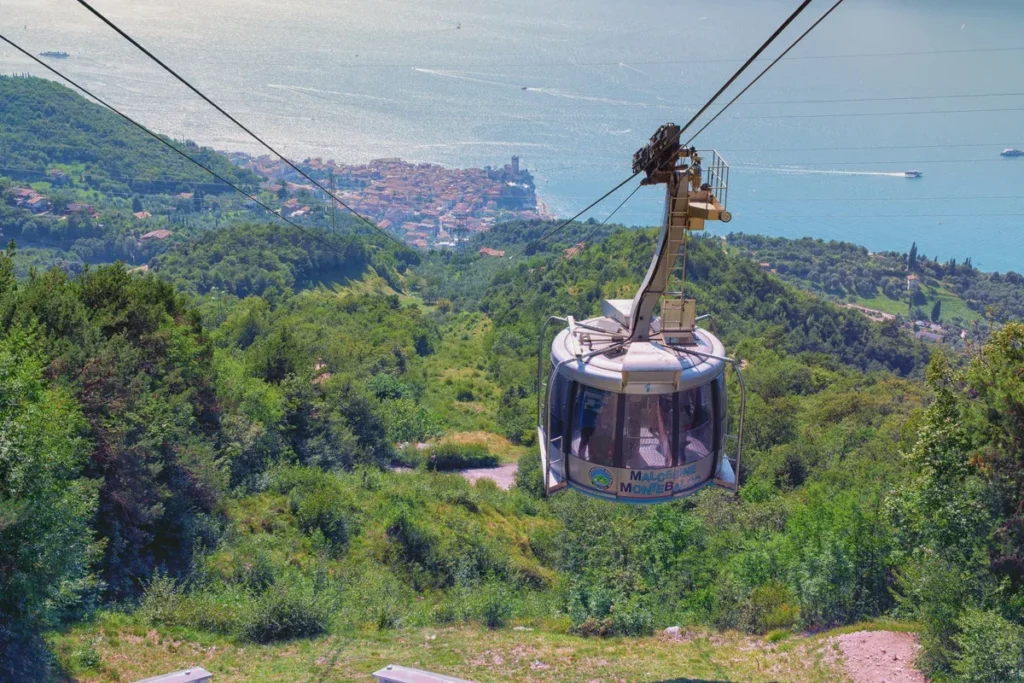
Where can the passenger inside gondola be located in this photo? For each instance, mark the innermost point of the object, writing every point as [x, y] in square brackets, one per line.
[694, 425]
[594, 424]
[647, 432]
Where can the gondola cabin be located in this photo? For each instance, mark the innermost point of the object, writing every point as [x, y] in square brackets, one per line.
[632, 405]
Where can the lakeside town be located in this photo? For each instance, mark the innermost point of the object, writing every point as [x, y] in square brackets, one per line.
[426, 205]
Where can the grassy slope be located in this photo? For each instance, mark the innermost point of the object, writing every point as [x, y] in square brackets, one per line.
[881, 302]
[118, 649]
[460, 391]
[952, 305]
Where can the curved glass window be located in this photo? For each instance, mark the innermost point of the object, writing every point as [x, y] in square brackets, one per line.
[647, 431]
[559, 388]
[594, 424]
[696, 430]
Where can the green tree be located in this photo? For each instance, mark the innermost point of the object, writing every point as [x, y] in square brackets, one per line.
[47, 548]
[937, 311]
[958, 515]
[991, 649]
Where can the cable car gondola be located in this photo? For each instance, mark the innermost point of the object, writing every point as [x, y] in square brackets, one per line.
[633, 406]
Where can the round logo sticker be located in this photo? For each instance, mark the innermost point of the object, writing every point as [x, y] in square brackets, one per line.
[600, 477]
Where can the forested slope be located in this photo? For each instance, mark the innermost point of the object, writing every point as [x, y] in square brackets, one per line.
[216, 463]
[849, 272]
[44, 125]
[249, 259]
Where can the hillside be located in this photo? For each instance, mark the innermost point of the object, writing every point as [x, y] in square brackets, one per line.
[252, 259]
[249, 444]
[45, 126]
[966, 297]
[473, 653]
[80, 186]
[266, 510]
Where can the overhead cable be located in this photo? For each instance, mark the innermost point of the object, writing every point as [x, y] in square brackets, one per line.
[164, 142]
[764, 71]
[586, 238]
[235, 121]
[750, 60]
[751, 84]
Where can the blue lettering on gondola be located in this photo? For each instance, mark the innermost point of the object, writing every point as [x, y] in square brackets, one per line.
[660, 482]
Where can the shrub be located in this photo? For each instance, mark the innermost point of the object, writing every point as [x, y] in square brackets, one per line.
[319, 510]
[446, 457]
[608, 608]
[406, 420]
[631, 617]
[414, 540]
[252, 567]
[458, 492]
[165, 604]
[494, 605]
[373, 595]
[592, 626]
[769, 608]
[161, 602]
[935, 593]
[289, 610]
[529, 476]
[991, 649]
[410, 457]
[386, 386]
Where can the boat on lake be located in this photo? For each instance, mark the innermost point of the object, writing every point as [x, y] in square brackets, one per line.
[1012, 152]
[55, 55]
[912, 174]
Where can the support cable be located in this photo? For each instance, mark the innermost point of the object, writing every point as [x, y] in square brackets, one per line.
[765, 70]
[728, 104]
[586, 238]
[164, 142]
[235, 121]
[739, 72]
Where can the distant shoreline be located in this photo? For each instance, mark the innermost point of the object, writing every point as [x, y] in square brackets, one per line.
[544, 211]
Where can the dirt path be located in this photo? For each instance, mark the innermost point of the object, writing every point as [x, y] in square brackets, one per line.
[881, 657]
[503, 476]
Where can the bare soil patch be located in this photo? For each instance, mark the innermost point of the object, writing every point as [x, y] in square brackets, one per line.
[503, 476]
[881, 657]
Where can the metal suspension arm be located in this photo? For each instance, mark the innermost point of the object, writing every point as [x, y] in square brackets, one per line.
[691, 197]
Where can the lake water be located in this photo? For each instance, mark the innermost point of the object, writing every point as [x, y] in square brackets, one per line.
[933, 85]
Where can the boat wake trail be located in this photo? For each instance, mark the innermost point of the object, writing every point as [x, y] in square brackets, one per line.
[815, 171]
[554, 92]
[315, 92]
[460, 75]
[623, 65]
